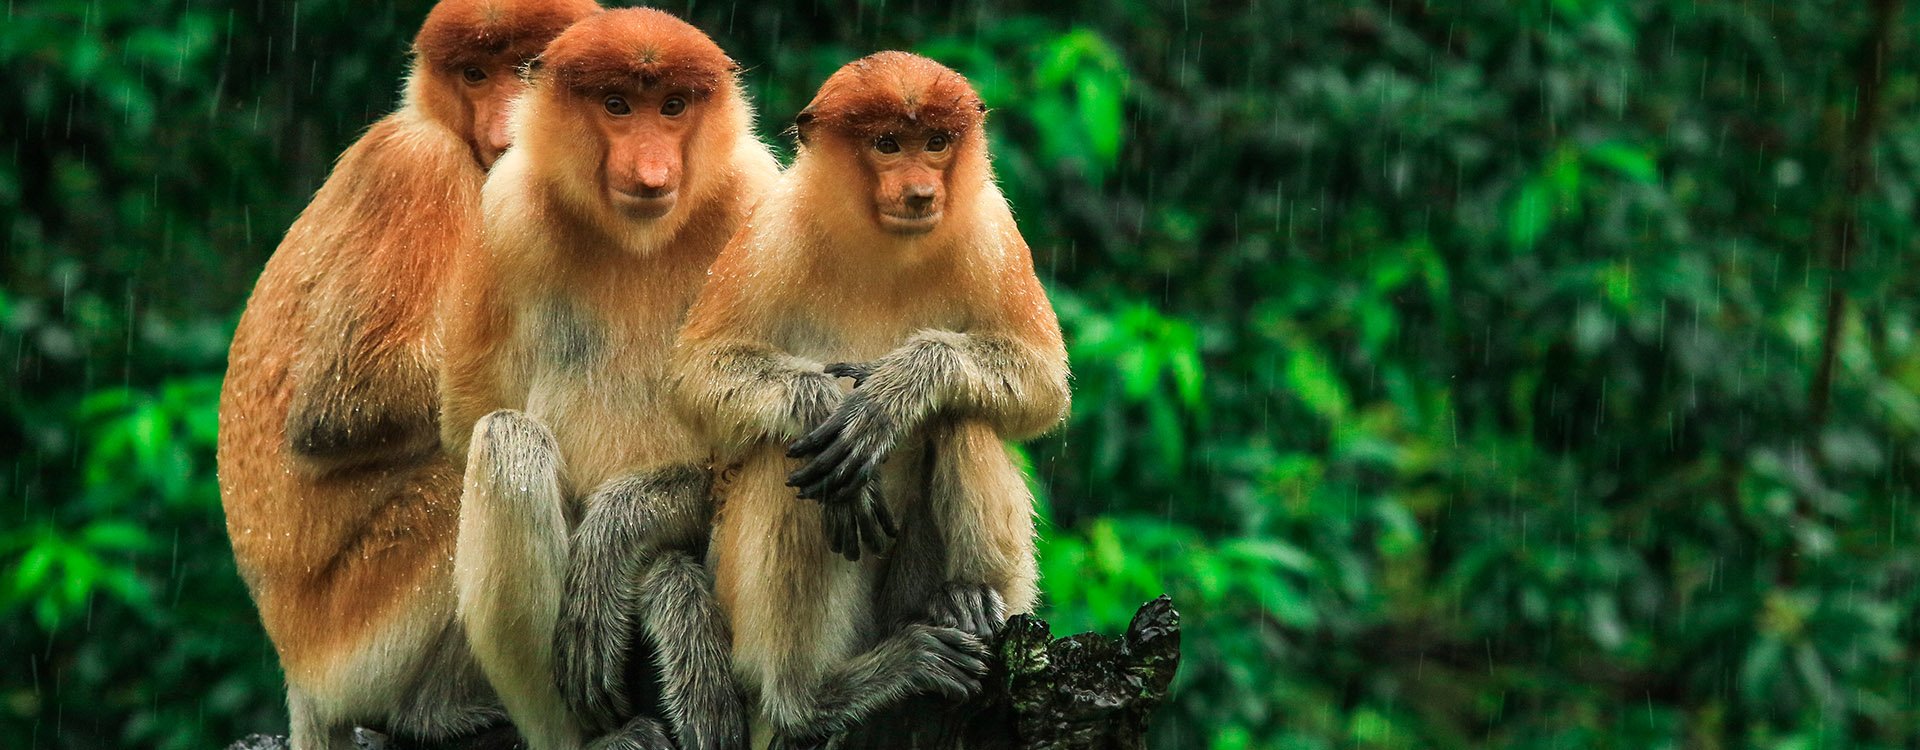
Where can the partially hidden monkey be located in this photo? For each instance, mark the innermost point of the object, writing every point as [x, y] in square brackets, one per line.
[586, 504]
[339, 504]
[885, 255]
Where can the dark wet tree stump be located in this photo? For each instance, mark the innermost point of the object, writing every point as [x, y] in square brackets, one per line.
[1082, 692]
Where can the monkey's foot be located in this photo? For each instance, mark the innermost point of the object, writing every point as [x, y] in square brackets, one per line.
[973, 608]
[943, 661]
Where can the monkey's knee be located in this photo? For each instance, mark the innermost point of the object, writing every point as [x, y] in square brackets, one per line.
[509, 566]
[511, 492]
[508, 442]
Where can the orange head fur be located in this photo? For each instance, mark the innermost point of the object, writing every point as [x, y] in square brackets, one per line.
[634, 119]
[467, 60]
[907, 128]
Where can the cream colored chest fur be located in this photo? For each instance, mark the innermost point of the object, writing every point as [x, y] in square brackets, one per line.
[596, 374]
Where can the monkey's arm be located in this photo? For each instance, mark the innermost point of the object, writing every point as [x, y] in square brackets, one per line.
[634, 563]
[742, 392]
[373, 250]
[361, 392]
[1015, 383]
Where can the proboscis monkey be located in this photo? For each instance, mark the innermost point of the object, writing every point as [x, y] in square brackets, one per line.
[340, 506]
[885, 255]
[586, 507]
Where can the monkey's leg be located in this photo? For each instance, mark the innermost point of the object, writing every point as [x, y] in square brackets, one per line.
[679, 612]
[918, 659]
[632, 562]
[801, 617]
[984, 511]
[509, 563]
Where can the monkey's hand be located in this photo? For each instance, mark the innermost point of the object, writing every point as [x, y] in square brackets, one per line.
[863, 522]
[858, 372]
[973, 608]
[844, 451]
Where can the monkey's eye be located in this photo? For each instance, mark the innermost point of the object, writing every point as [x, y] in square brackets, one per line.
[474, 75]
[886, 145]
[937, 143]
[617, 106]
[673, 106]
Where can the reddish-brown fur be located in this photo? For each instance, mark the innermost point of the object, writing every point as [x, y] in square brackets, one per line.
[872, 96]
[344, 526]
[642, 48]
[965, 352]
[599, 228]
[466, 32]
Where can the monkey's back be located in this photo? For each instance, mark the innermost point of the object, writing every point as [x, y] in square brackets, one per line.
[346, 563]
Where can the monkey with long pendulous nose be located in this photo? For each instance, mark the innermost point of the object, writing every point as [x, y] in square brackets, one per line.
[586, 505]
[340, 506]
[885, 256]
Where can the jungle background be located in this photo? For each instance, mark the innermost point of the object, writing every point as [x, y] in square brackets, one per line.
[1530, 374]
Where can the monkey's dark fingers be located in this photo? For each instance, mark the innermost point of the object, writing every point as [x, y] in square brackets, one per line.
[843, 479]
[837, 528]
[821, 436]
[876, 524]
[859, 371]
[965, 662]
[844, 483]
[819, 467]
[993, 612]
[967, 605]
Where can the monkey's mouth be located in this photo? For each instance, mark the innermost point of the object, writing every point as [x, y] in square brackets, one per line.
[643, 206]
[909, 223]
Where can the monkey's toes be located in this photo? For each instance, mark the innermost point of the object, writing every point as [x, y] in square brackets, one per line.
[975, 608]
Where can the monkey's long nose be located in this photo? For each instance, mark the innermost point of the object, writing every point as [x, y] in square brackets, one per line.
[919, 198]
[653, 181]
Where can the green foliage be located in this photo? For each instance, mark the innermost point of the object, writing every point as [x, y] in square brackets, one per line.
[1450, 363]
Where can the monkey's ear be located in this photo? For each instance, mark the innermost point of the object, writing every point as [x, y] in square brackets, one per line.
[800, 123]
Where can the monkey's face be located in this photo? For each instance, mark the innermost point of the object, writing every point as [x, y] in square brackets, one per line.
[647, 134]
[486, 89]
[470, 54]
[910, 179]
